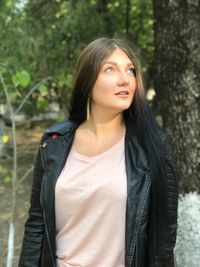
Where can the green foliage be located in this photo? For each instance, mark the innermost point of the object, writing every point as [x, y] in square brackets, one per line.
[45, 38]
[42, 103]
[4, 140]
[21, 78]
[7, 179]
[43, 89]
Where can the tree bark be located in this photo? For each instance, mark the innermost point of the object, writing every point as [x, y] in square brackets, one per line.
[177, 82]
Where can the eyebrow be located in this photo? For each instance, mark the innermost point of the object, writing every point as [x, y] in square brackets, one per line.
[114, 63]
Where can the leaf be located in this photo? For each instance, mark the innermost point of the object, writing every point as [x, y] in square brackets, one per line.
[43, 89]
[42, 103]
[61, 80]
[21, 78]
[7, 179]
[9, 4]
[65, 80]
[4, 139]
[69, 80]
[15, 80]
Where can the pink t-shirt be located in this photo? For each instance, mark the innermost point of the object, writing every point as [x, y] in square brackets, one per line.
[90, 205]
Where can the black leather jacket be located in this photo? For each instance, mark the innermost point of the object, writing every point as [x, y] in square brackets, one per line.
[39, 248]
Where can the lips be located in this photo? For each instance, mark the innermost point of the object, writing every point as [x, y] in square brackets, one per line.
[123, 92]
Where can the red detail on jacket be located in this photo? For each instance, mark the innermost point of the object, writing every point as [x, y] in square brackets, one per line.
[54, 136]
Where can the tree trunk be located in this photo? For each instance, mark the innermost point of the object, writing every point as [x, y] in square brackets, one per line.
[177, 82]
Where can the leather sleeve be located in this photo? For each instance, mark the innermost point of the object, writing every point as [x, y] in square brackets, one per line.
[34, 226]
[169, 237]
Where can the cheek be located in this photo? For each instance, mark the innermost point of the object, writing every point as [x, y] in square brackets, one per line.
[96, 92]
[103, 86]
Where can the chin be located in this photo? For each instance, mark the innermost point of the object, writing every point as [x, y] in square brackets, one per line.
[124, 107]
[121, 108]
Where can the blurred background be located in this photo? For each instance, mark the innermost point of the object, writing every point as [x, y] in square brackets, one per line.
[40, 41]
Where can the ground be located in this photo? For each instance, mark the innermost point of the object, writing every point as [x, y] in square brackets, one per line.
[28, 138]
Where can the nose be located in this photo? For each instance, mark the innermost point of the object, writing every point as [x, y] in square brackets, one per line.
[123, 79]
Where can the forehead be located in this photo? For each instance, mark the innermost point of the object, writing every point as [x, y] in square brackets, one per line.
[118, 56]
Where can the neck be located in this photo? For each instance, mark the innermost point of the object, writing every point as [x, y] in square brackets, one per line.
[102, 126]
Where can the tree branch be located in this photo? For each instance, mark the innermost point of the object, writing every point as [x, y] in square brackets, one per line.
[30, 93]
[25, 175]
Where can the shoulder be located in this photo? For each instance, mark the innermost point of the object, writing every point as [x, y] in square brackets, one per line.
[59, 128]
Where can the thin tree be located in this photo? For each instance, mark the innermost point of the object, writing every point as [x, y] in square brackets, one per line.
[15, 181]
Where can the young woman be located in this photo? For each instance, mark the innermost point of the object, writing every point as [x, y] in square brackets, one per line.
[104, 190]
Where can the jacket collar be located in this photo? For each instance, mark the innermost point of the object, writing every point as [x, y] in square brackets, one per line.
[67, 127]
[62, 128]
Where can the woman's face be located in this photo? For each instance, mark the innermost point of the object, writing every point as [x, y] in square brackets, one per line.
[115, 85]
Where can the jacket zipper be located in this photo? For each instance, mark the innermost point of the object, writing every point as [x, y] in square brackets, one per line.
[47, 235]
[46, 230]
[132, 249]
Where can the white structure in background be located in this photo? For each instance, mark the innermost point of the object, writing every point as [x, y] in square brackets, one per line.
[150, 94]
[187, 250]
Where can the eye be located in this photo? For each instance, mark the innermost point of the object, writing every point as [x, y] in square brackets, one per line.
[131, 70]
[109, 69]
